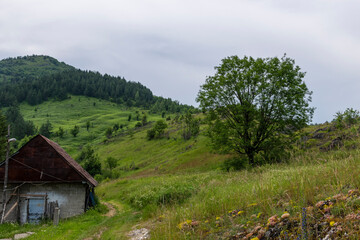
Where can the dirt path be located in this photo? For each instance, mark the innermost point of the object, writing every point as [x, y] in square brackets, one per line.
[110, 213]
[112, 210]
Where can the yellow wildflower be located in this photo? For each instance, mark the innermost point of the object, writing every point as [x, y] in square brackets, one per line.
[332, 223]
[188, 221]
[259, 215]
[181, 226]
[240, 212]
[255, 238]
[252, 205]
[218, 218]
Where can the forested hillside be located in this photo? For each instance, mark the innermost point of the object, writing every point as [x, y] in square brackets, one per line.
[29, 67]
[36, 79]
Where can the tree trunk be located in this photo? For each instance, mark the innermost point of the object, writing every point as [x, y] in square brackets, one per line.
[251, 156]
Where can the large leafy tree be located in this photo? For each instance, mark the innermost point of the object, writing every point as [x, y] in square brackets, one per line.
[255, 104]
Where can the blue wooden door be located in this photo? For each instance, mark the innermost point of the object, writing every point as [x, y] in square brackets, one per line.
[36, 210]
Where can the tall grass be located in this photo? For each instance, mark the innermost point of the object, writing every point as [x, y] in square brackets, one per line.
[309, 177]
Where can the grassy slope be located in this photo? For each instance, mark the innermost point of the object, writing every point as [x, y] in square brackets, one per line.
[153, 157]
[77, 111]
[169, 201]
[178, 183]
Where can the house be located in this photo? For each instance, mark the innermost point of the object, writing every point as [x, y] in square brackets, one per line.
[42, 177]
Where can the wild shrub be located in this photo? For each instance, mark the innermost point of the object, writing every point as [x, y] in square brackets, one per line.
[109, 132]
[75, 130]
[90, 161]
[347, 118]
[173, 192]
[138, 124]
[191, 126]
[157, 131]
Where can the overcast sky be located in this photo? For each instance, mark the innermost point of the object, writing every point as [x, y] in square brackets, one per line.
[172, 46]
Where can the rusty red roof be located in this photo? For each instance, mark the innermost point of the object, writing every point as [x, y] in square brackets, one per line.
[76, 166]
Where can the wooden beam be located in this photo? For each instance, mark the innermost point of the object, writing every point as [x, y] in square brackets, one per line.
[18, 206]
[29, 195]
[11, 209]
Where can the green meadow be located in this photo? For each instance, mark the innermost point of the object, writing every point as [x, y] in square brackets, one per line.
[177, 189]
[78, 110]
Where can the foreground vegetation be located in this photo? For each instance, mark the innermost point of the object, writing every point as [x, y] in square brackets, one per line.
[178, 189]
[218, 205]
[208, 198]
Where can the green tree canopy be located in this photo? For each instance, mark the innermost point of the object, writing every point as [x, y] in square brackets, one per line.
[254, 103]
[46, 129]
[75, 131]
[19, 127]
[158, 130]
[191, 126]
[90, 161]
[111, 162]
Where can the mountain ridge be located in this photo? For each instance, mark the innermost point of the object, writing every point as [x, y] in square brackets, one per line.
[35, 79]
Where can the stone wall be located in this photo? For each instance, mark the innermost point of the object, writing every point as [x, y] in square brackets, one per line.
[70, 198]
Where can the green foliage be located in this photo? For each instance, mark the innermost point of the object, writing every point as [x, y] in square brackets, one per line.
[346, 119]
[75, 131]
[29, 67]
[166, 193]
[19, 127]
[116, 127]
[151, 134]
[76, 82]
[138, 124]
[177, 118]
[191, 126]
[109, 132]
[157, 131]
[35, 79]
[234, 163]
[254, 103]
[90, 161]
[46, 129]
[60, 133]
[167, 105]
[144, 120]
[88, 124]
[354, 203]
[25, 140]
[111, 162]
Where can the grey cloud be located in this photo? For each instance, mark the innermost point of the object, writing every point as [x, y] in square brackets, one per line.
[171, 46]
